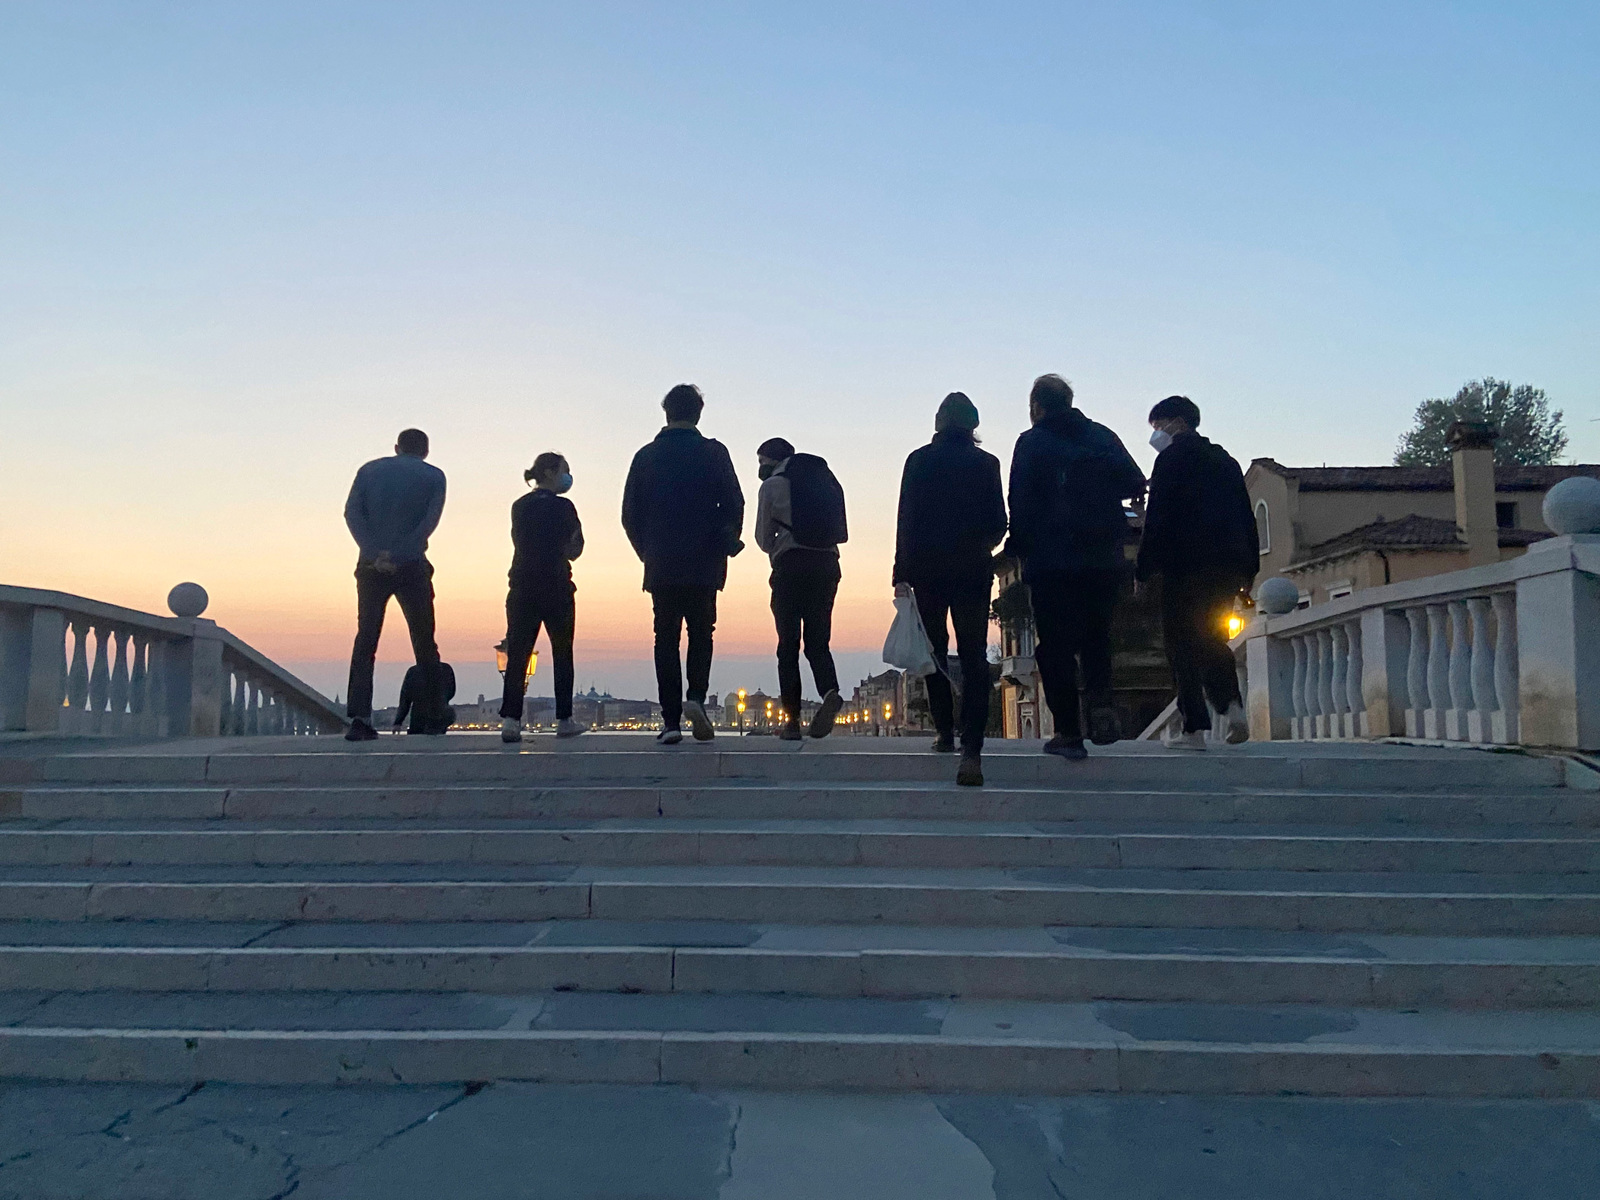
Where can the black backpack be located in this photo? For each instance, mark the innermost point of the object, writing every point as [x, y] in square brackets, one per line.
[816, 502]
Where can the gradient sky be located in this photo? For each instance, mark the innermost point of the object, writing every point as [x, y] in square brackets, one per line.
[241, 245]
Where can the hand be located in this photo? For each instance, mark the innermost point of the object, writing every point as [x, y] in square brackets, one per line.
[384, 564]
[1136, 586]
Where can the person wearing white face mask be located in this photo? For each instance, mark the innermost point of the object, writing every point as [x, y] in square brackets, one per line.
[1200, 537]
[547, 536]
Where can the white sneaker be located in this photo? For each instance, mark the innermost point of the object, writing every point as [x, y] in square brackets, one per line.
[567, 727]
[1174, 740]
[669, 737]
[510, 729]
[1238, 724]
[699, 723]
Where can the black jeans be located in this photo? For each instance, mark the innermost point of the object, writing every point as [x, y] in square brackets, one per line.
[676, 607]
[411, 584]
[1072, 619]
[804, 583]
[1194, 609]
[526, 610]
[966, 602]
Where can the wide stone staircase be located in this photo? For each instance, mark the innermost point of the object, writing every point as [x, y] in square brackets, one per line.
[1305, 918]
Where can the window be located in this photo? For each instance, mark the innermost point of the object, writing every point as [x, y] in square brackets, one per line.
[1305, 600]
[1338, 591]
[1263, 529]
[1505, 514]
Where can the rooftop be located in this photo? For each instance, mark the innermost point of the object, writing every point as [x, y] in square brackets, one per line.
[1420, 479]
[1408, 533]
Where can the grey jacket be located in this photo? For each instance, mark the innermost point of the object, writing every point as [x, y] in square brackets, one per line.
[394, 505]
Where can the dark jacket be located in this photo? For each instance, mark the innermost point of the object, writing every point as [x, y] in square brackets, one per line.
[683, 511]
[394, 506]
[1198, 518]
[1069, 477]
[952, 511]
[546, 536]
[411, 696]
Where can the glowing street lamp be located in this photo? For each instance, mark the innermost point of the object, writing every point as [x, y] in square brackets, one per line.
[502, 662]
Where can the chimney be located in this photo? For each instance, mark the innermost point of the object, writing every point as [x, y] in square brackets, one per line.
[1472, 461]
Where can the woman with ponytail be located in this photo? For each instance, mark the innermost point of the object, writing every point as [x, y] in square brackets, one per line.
[546, 536]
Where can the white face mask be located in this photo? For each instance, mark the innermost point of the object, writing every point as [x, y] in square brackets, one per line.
[1160, 439]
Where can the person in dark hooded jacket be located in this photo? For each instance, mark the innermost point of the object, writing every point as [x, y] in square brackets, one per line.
[1069, 477]
[1200, 537]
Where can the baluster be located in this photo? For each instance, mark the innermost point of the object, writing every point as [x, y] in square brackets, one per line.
[117, 718]
[155, 690]
[1482, 673]
[253, 721]
[1504, 725]
[78, 680]
[138, 680]
[1297, 688]
[1341, 681]
[1438, 670]
[99, 680]
[1355, 701]
[1460, 672]
[241, 701]
[1417, 674]
[1324, 683]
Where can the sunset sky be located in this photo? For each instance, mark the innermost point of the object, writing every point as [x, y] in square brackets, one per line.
[241, 246]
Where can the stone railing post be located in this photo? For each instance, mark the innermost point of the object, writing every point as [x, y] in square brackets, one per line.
[196, 683]
[47, 670]
[1269, 667]
[1558, 650]
[1385, 656]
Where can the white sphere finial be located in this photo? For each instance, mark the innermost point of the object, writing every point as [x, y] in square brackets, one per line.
[1277, 596]
[1573, 505]
[188, 600]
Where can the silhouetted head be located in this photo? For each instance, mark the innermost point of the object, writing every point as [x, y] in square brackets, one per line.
[956, 411]
[413, 442]
[771, 454]
[683, 404]
[1175, 415]
[1051, 396]
[547, 471]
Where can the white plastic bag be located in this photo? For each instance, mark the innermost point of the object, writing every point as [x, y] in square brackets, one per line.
[907, 645]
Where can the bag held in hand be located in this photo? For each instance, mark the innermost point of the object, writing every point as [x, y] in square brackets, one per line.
[907, 645]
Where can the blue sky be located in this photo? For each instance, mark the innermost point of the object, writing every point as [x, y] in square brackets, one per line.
[241, 245]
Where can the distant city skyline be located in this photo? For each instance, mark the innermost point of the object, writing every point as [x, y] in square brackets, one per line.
[242, 246]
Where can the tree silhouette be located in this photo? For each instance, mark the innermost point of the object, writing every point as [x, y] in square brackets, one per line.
[1530, 434]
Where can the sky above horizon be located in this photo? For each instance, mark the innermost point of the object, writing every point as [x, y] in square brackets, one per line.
[242, 245]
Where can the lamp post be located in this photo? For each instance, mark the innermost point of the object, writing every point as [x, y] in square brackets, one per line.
[741, 712]
[502, 663]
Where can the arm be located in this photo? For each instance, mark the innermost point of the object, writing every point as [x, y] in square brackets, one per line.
[1130, 479]
[904, 519]
[430, 516]
[1023, 504]
[1153, 542]
[355, 516]
[768, 504]
[574, 546]
[995, 505]
[632, 501]
[1245, 515]
[730, 500]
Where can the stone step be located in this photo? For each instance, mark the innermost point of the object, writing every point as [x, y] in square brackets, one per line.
[1389, 902]
[736, 800]
[1215, 966]
[797, 1043]
[475, 759]
[841, 842]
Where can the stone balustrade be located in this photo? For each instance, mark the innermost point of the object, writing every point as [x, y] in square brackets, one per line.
[1503, 654]
[76, 666]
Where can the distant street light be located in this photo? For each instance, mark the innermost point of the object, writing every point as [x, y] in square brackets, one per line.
[502, 662]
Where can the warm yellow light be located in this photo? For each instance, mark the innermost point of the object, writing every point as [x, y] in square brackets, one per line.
[886, 711]
[1235, 625]
[741, 693]
[741, 705]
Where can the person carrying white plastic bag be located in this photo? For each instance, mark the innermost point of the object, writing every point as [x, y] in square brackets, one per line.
[907, 645]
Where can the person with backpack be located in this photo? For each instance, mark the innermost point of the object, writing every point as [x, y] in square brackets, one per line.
[546, 536]
[1069, 477]
[952, 515]
[393, 508]
[411, 692]
[683, 513]
[1200, 537]
[800, 522]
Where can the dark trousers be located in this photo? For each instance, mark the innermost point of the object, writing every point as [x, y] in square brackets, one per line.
[526, 610]
[804, 583]
[1072, 619]
[966, 603]
[1194, 609]
[676, 607]
[411, 584]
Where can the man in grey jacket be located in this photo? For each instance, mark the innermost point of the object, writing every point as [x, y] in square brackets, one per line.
[394, 505]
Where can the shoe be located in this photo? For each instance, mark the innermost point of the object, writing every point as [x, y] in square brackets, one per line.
[360, 731]
[567, 727]
[1173, 740]
[1104, 726]
[510, 729]
[1071, 749]
[791, 732]
[1238, 724]
[669, 737]
[969, 773]
[945, 743]
[699, 723]
[822, 723]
